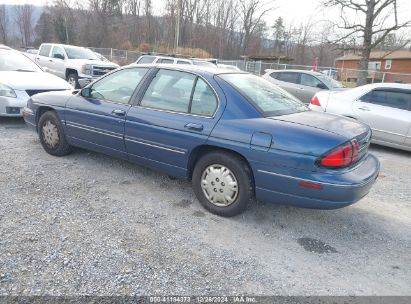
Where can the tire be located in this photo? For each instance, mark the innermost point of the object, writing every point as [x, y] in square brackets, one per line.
[213, 180]
[72, 79]
[51, 135]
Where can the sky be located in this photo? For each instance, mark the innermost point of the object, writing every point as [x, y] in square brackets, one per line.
[292, 11]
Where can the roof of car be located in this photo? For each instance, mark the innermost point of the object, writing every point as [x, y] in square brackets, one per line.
[190, 68]
[296, 71]
[389, 85]
[5, 47]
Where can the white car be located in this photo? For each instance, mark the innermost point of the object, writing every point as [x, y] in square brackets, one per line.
[385, 107]
[21, 78]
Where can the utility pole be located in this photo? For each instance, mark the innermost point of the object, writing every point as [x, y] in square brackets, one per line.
[177, 30]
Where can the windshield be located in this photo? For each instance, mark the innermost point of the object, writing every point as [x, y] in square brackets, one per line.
[331, 83]
[74, 52]
[14, 61]
[269, 99]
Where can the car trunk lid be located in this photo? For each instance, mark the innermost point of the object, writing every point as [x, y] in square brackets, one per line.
[346, 127]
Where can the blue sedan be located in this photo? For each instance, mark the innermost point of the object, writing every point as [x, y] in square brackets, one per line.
[235, 135]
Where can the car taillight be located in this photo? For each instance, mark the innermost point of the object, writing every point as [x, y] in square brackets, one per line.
[315, 101]
[342, 156]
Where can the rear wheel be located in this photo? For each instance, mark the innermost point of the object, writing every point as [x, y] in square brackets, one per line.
[52, 135]
[222, 183]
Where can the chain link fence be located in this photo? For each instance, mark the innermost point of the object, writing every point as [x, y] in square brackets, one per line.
[121, 57]
[347, 76]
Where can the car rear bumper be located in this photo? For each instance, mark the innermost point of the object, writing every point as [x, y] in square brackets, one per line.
[331, 190]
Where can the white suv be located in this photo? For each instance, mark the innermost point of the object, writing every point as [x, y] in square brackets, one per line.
[172, 60]
[78, 65]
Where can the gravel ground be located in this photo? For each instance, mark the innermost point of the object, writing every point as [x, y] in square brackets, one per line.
[91, 224]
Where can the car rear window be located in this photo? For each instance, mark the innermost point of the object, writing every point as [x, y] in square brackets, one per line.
[268, 98]
[146, 59]
[45, 50]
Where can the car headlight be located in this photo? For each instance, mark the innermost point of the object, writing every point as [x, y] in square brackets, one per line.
[6, 91]
[86, 69]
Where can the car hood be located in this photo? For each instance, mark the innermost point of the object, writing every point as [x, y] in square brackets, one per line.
[33, 81]
[95, 62]
[345, 127]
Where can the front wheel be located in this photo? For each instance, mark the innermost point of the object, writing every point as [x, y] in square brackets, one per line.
[52, 136]
[73, 80]
[222, 183]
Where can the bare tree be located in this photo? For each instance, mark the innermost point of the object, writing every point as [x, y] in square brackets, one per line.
[24, 22]
[252, 13]
[4, 22]
[378, 18]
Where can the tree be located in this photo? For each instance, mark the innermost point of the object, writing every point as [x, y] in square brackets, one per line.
[279, 34]
[4, 22]
[252, 13]
[44, 28]
[24, 22]
[378, 18]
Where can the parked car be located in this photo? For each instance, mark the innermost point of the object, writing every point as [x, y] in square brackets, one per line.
[21, 78]
[235, 135]
[302, 84]
[78, 65]
[144, 59]
[228, 66]
[385, 107]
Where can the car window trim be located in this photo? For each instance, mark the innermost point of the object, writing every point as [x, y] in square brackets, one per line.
[315, 78]
[290, 72]
[45, 45]
[397, 90]
[137, 88]
[141, 94]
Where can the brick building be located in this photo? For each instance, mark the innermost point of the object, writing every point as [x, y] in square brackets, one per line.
[386, 66]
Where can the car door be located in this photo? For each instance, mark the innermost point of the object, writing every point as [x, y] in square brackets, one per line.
[173, 115]
[43, 56]
[309, 85]
[289, 81]
[56, 61]
[387, 112]
[95, 119]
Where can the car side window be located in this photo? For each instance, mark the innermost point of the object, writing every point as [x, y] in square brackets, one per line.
[118, 86]
[274, 75]
[164, 60]
[57, 50]
[146, 59]
[389, 98]
[310, 81]
[182, 62]
[288, 77]
[45, 50]
[170, 91]
[204, 101]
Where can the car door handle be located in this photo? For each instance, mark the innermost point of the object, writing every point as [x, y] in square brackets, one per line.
[363, 108]
[119, 112]
[301, 88]
[50, 60]
[194, 127]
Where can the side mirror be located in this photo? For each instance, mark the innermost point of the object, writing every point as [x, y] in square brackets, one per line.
[86, 92]
[58, 56]
[322, 86]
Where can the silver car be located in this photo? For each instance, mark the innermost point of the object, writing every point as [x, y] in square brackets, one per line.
[20, 78]
[385, 107]
[302, 84]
